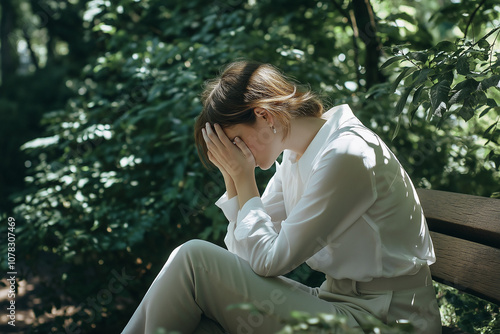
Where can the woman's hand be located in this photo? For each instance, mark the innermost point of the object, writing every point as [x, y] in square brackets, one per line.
[228, 180]
[233, 159]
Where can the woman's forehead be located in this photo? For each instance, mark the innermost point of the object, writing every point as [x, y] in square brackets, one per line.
[236, 130]
[232, 131]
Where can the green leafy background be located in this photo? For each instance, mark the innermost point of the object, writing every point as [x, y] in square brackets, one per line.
[102, 175]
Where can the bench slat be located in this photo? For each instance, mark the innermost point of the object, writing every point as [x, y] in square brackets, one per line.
[467, 266]
[464, 216]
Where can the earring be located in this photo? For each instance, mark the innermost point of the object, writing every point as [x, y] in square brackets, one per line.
[274, 129]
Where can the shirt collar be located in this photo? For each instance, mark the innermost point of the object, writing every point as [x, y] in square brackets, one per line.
[335, 117]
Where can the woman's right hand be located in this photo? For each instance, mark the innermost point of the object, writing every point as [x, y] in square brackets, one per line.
[217, 164]
[228, 180]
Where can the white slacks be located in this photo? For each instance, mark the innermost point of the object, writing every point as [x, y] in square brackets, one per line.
[204, 288]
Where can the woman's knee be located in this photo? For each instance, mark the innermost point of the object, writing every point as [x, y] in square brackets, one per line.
[191, 249]
[183, 258]
[195, 246]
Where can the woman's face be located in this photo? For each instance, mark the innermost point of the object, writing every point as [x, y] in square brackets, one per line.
[264, 144]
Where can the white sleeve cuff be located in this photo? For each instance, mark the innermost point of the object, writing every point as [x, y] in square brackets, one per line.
[228, 206]
[229, 239]
[252, 204]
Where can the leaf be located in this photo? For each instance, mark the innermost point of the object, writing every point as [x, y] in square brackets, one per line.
[466, 112]
[478, 99]
[463, 65]
[438, 95]
[489, 128]
[413, 110]
[406, 71]
[155, 92]
[483, 44]
[418, 56]
[493, 81]
[484, 112]
[446, 74]
[421, 75]
[491, 103]
[426, 105]
[398, 126]
[462, 90]
[416, 95]
[402, 100]
[391, 60]
[446, 46]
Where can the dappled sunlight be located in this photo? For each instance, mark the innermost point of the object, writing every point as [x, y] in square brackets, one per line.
[95, 131]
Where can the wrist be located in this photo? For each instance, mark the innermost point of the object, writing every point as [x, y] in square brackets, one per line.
[230, 187]
[242, 180]
[246, 188]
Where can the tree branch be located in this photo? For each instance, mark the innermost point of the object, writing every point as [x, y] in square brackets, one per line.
[349, 15]
[472, 17]
[367, 29]
[33, 56]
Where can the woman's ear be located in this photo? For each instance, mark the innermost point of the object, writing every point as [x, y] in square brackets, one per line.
[265, 115]
[261, 112]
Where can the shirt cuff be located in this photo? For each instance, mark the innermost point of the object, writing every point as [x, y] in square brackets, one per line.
[252, 204]
[228, 206]
[229, 238]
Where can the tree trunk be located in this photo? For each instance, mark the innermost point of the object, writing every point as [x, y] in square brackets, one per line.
[365, 27]
[7, 52]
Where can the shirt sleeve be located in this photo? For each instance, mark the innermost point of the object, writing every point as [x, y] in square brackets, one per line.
[228, 206]
[272, 200]
[230, 209]
[340, 189]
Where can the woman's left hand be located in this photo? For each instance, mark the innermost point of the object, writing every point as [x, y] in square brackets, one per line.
[235, 158]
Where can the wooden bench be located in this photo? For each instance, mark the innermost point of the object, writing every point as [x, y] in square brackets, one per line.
[465, 230]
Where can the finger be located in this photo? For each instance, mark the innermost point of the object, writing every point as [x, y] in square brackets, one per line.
[212, 159]
[243, 147]
[216, 162]
[214, 138]
[208, 141]
[211, 148]
[205, 136]
[222, 136]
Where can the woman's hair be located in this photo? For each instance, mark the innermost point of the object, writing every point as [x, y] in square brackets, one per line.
[243, 86]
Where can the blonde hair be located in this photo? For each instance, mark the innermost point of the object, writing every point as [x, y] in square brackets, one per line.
[243, 86]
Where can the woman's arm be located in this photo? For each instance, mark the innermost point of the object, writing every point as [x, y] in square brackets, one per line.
[273, 200]
[338, 193]
[230, 187]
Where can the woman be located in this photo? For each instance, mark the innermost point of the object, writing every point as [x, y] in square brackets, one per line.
[339, 201]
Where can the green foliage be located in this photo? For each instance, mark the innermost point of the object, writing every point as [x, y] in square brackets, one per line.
[116, 183]
[322, 323]
[303, 322]
[334, 323]
[449, 80]
[470, 65]
[471, 314]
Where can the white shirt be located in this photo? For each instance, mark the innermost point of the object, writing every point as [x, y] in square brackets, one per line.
[347, 208]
